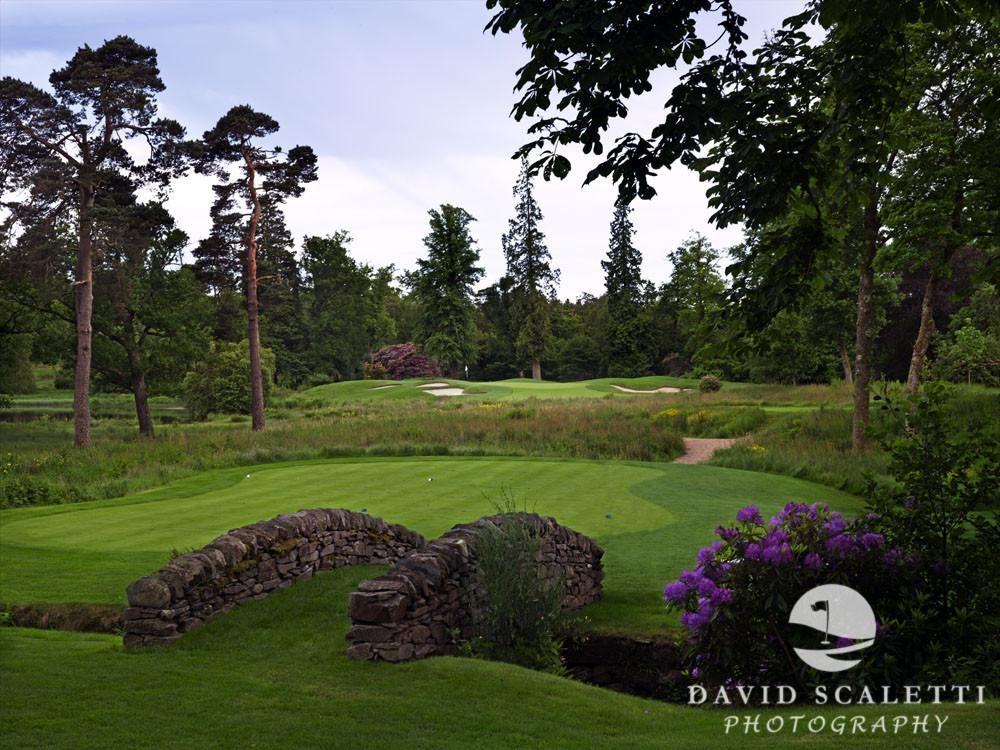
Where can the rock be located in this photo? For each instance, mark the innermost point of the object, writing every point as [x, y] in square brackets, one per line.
[149, 591]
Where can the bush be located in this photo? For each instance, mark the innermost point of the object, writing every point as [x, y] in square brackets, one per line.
[220, 383]
[522, 623]
[947, 473]
[709, 384]
[399, 361]
[735, 603]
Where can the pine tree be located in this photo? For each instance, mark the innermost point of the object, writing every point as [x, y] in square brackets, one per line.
[529, 267]
[443, 283]
[623, 281]
[249, 174]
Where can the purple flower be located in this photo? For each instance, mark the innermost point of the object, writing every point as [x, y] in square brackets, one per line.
[729, 534]
[707, 554]
[777, 554]
[706, 587]
[813, 560]
[722, 596]
[752, 551]
[892, 557]
[675, 592]
[871, 540]
[749, 514]
[835, 525]
[694, 620]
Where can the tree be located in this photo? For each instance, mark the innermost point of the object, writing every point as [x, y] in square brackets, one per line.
[623, 283]
[803, 123]
[340, 307]
[531, 273]
[942, 197]
[62, 148]
[444, 284]
[149, 312]
[235, 141]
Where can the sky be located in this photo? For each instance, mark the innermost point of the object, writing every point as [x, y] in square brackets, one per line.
[406, 103]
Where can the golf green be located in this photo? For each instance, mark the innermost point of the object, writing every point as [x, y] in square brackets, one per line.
[650, 518]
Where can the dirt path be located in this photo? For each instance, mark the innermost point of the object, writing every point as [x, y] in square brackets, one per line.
[699, 450]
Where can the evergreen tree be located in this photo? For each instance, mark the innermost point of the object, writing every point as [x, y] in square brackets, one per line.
[443, 284]
[623, 282]
[60, 150]
[529, 267]
[261, 174]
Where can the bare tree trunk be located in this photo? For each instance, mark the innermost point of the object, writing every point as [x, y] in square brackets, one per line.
[865, 328]
[141, 396]
[83, 294]
[845, 360]
[536, 369]
[923, 334]
[253, 322]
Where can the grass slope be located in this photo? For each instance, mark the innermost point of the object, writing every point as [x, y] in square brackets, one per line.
[272, 674]
[659, 515]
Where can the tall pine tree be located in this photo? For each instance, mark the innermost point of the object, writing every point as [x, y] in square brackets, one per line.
[529, 267]
[623, 282]
[443, 283]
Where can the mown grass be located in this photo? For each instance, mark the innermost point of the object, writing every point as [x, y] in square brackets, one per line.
[650, 518]
[273, 674]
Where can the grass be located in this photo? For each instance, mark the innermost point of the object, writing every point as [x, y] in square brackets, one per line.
[659, 515]
[294, 688]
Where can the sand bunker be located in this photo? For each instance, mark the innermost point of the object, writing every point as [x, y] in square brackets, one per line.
[447, 391]
[664, 389]
[433, 385]
[383, 387]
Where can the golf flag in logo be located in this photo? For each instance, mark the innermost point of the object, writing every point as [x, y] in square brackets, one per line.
[837, 610]
[824, 606]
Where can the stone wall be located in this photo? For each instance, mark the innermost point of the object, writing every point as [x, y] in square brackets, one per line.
[412, 611]
[253, 561]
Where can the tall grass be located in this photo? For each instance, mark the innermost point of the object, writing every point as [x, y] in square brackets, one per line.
[38, 464]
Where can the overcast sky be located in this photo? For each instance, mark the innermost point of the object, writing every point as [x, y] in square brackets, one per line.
[406, 103]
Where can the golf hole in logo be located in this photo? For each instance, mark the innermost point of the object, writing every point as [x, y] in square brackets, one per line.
[834, 612]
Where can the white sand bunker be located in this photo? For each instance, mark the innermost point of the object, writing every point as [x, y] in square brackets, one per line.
[433, 385]
[664, 389]
[383, 387]
[447, 391]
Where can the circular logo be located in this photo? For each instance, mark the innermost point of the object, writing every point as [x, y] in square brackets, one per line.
[837, 614]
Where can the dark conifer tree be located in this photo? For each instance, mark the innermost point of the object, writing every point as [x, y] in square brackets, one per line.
[529, 267]
[262, 174]
[623, 282]
[61, 149]
[444, 283]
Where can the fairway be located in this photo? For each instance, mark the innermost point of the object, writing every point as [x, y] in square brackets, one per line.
[650, 518]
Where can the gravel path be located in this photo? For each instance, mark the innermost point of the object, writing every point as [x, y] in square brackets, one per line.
[699, 450]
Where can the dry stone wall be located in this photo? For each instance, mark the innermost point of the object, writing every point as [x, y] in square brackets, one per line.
[435, 594]
[253, 561]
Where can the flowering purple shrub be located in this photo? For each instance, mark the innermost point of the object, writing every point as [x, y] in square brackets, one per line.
[399, 361]
[735, 603]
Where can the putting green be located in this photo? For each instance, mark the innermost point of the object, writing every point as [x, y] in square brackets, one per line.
[514, 389]
[650, 518]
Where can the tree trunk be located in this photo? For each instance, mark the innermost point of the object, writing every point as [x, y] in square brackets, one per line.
[141, 396]
[865, 328]
[536, 369]
[83, 294]
[845, 360]
[923, 335]
[253, 322]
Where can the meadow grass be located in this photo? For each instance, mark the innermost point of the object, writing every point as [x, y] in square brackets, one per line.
[650, 518]
[273, 674]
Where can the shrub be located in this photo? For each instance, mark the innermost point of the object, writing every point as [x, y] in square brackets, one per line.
[522, 622]
[735, 603]
[709, 384]
[947, 473]
[399, 361]
[220, 383]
